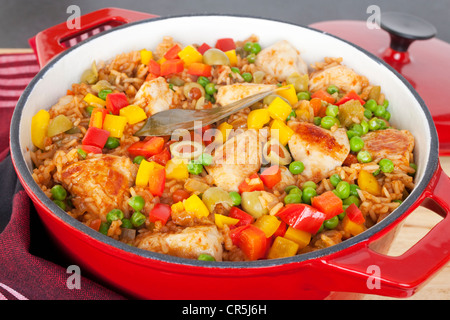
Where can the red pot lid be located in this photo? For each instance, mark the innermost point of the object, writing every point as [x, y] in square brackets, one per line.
[406, 42]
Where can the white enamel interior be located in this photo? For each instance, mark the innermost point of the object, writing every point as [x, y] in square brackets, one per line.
[314, 46]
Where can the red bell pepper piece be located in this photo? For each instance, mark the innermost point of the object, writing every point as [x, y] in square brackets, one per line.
[244, 217]
[95, 137]
[200, 69]
[253, 242]
[225, 44]
[302, 217]
[203, 48]
[280, 231]
[91, 149]
[235, 233]
[354, 214]
[157, 182]
[172, 53]
[328, 203]
[271, 176]
[154, 68]
[161, 157]
[352, 95]
[160, 212]
[116, 101]
[323, 95]
[147, 148]
[254, 184]
[172, 66]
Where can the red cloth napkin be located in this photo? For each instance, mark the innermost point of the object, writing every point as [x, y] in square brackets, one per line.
[31, 267]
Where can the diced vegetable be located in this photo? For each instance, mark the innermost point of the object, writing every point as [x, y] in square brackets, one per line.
[194, 205]
[281, 131]
[145, 171]
[214, 196]
[115, 125]
[222, 220]
[176, 168]
[367, 182]
[275, 153]
[243, 217]
[252, 205]
[59, 125]
[90, 149]
[215, 56]
[177, 207]
[172, 53]
[350, 111]
[190, 55]
[39, 126]
[302, 217]
[172, 66]
[147, 148]
[225, 129]
[328, 203]
[161, 157]
[252, 183]
[133, 113]
[146, 56]
[157, 180]
[302, 238]
[203, 48]
[354, 214]
[154, 68]
[352, 95]
[351, 227]
[225, 44]
[271, 176]
[115, 102]
[235, 233]
[253, 243]
[323, 95]
[282, 248]
[268, 224]
[194, 185]
[199, 69]
[231, 54]
[256, 119]
[288, 93]
[300, 82]
[279, 109]
[160, 212]
[96, 137]
[94, 101]
[97, 117]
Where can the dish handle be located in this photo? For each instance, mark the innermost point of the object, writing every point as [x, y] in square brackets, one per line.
[361, 269]
[50, 42]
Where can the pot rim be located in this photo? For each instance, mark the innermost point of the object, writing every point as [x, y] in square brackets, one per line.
[26, 177]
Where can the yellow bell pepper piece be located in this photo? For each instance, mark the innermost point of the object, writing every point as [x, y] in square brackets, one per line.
[39, 125]
[279, 130]
[279, 109]
[144, 171]
[115, 125]
[190, 55]
[231, 54]
[176, 168]
[96, 119]
[162, 60]
[300, 237]
[94, 101]
[134, 114]
[222, 220]
[282, 248]
[350, 227]
[146, 56]
[194, 205]
[177, 207]
[289, 94]
[268, 224]
[368, 182]
[225, 129]
[258, 118]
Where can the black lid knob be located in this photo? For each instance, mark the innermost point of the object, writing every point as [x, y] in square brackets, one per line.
[404, 28]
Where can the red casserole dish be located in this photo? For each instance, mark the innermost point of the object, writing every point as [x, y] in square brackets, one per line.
[357, 265]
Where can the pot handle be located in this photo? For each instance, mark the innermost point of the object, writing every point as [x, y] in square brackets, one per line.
[52, 41]
[363, 270]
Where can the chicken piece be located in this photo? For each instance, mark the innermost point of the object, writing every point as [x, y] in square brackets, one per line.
[237, 159]
[319, 149]
[188, 243]
[154, 96]
[281, 60]
[99, 184]
[343, 77]
[391, 144]
[234, 92]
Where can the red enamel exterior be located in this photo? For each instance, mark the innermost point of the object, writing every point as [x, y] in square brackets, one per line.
[337, 275]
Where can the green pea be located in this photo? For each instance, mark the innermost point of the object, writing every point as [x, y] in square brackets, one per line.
[303, 95]
[332, 89]
[376, 172]
[368, 114]
[247, 76]
[293, 198]
[341, 215]
[137, 203]
[353, 190]
[308, 193]
[317, 121]
[206, 257]
[60, 204]
[374, 124]
[104, 227]
[138, 159]
[357, 128]
[112, 143]
[343, 189]
[382, 124]
[103, 93]
[364, 157]
[386, 103]
[351, 199]
[194, 167]
[58, 192]
[248, 46]
[291, 115]
[371, 105]
[331, 223]
[235, 70]
[295, 190]
[387, 116]
[206, 159]
[327, 122]
[296, 167]
[380, 111]
[235, 198]
[251, 58]
[365, 126]
[414, 166]
[335, 179]
[289, 188]
[332, 110]
[209, 97]
[114, 214]
[356, 144]
[89, 110]
[82, 153]
[203, 81]
[137, 219]
[126, 223]
[309, 184]
[256, 48]
[210, 88]
[386, 165]
[351, 134]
